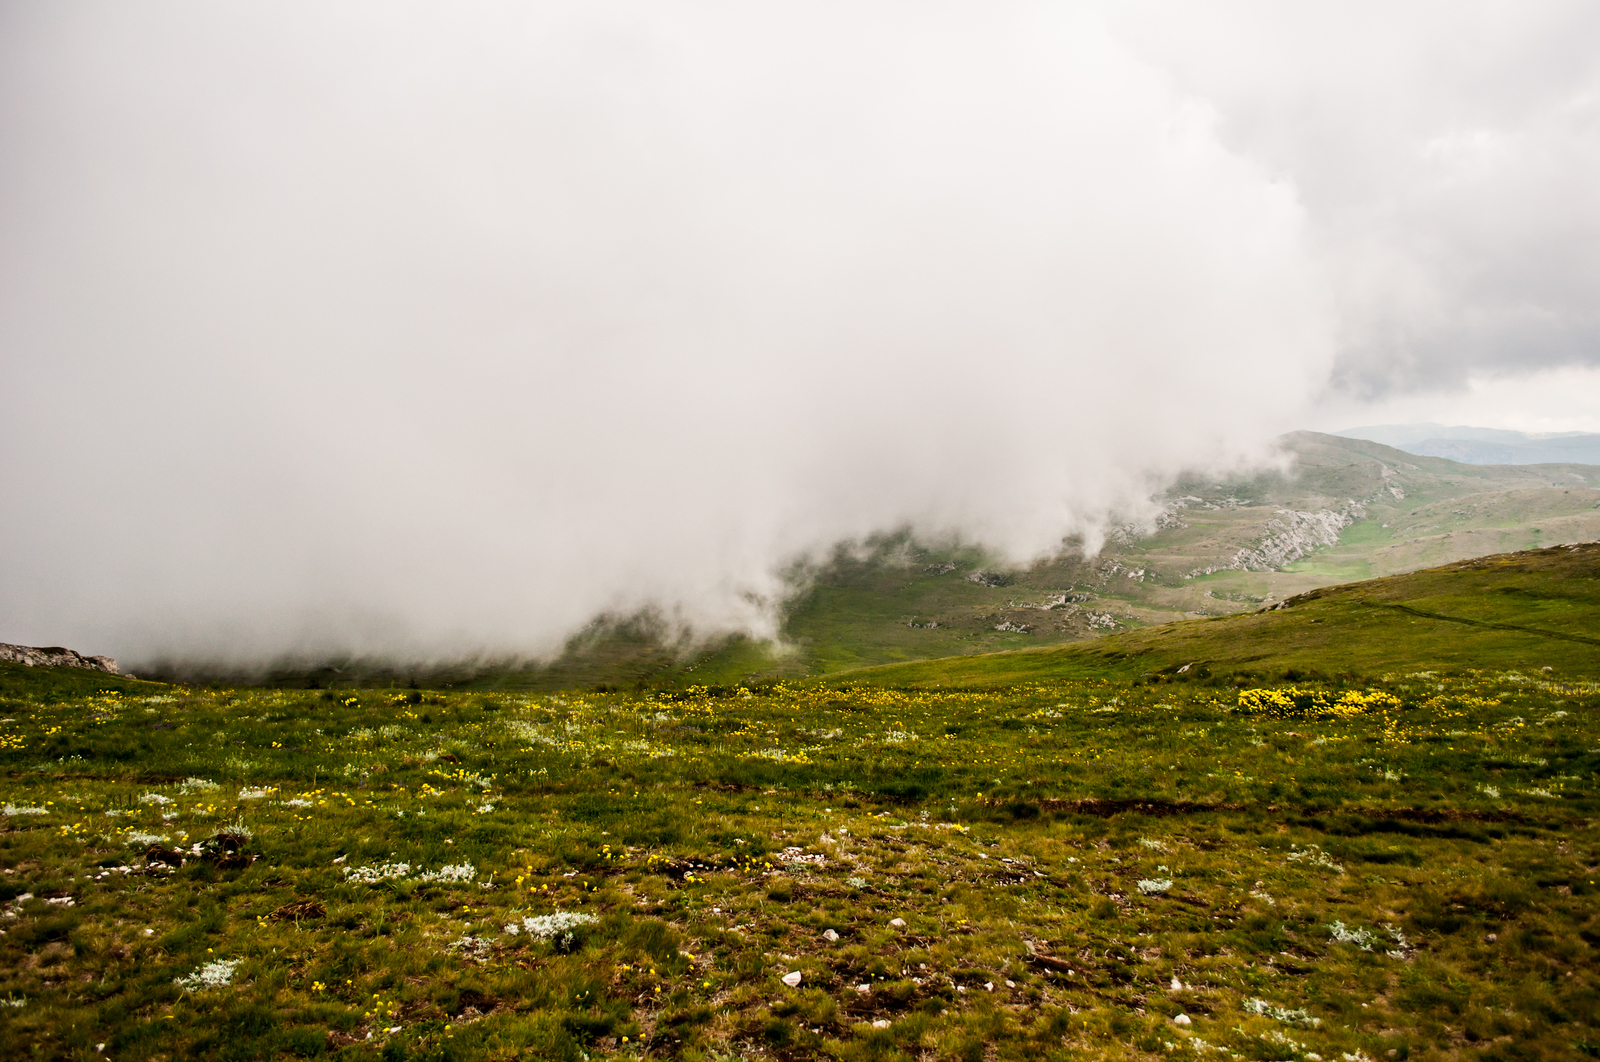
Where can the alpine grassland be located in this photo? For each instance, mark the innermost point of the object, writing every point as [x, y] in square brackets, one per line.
[1349, 840]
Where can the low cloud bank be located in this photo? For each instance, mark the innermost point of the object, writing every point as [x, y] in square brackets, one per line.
[406, 330]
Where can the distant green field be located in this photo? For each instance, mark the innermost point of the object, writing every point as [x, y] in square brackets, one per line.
[1532, 610]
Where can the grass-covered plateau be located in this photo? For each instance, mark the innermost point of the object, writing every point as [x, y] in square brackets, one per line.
[1401, 866]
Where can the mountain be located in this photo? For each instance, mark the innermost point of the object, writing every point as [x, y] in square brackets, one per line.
[1484, 446]
[1343, 510]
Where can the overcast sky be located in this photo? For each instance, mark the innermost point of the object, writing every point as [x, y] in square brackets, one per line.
[436, 328]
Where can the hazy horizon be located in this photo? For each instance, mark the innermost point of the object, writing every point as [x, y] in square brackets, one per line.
[387, 328]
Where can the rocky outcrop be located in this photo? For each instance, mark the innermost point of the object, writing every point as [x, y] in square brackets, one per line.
[1290, 535]
[56, 656]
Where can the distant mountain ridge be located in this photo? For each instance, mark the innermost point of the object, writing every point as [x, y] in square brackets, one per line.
[1484, 446]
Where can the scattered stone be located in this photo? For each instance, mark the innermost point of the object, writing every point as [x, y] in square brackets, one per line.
[792, 978]
[1011, 984]
[863, 989]
[988, 986]
[1182, 1019]
[1177, 985]
[898, 923]
[881, 1023]
[829, 935]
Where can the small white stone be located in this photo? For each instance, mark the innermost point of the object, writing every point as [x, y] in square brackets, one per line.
[898, 923]
[988, 986]
[863, 989]
[881, 1023]
[1181, 1019]
[792, 978]
[830, 936]
[1177, 985]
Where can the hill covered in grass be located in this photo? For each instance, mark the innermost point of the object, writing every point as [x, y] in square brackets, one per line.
[1536, 610]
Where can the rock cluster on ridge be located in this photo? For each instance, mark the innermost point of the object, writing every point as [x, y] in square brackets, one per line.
[56, 656]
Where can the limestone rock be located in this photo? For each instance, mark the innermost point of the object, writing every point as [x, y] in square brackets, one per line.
[56, 656]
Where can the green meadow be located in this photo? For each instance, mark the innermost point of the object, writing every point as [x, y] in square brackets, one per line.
[1255, 837]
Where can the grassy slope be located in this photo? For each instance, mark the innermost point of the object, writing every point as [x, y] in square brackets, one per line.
[1545, 606]
[1417, 879]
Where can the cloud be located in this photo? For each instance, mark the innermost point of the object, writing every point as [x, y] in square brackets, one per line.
[1445, 154]
[421, 330]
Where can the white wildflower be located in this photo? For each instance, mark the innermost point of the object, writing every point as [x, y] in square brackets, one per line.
[12, 809]
[211, 975]
[1313, 855]
[140, 839]
[551, 925]
[297, 802]
[256, 794]
[459, 872]
[1361, 938]
[1154, 886]
[155, 798]
[474, 948]
[1283, 1014]
[198, 785]
[371, 875]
